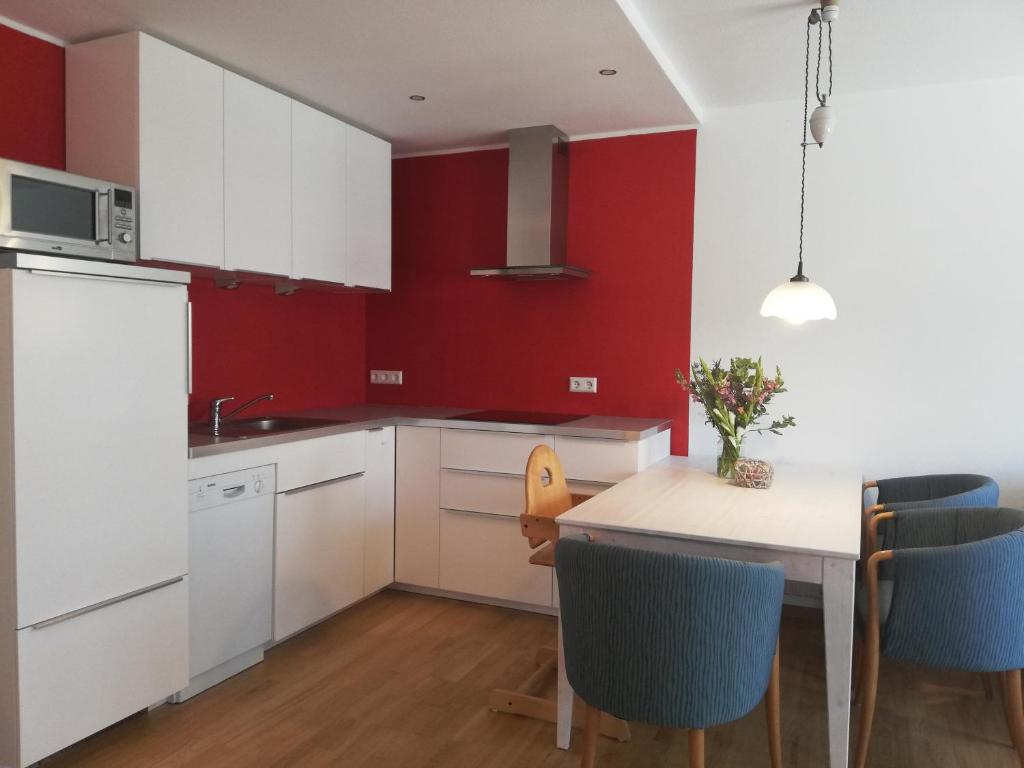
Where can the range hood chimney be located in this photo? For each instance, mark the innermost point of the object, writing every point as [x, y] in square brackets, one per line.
[538, 207]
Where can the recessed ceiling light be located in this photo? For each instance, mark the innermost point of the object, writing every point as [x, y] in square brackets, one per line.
[417, 97]
[608, 72]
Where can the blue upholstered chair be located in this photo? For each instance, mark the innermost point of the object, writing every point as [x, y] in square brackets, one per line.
[955, 601]
[671, 640]
[931, 491]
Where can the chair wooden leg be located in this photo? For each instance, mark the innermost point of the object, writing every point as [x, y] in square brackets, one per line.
[696, 738]
[591, 731]
[1014, 707]
[872, 651]
[773, 711]
[868, 694]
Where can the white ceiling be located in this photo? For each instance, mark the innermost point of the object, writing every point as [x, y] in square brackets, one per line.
[747, 51]
[484, 67]
[489, 65]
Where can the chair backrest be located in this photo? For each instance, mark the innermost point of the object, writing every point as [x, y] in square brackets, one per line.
[938, 491]
[544, 500]
[673, 640]
[957, 595]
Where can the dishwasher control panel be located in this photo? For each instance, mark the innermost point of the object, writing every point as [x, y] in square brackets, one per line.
[244, 484]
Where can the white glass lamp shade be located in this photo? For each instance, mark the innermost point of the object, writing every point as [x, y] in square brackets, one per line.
[797, 301]
[822, 121]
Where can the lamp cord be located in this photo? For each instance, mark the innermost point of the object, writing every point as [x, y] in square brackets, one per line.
[803, 150]
[822, 99]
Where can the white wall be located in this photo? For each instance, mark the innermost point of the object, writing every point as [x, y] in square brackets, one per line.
[915, 224]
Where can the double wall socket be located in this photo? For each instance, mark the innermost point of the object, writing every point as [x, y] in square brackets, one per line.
[385, 377]
[586, 384]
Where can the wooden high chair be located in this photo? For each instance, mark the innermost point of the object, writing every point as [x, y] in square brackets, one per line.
[545, 502]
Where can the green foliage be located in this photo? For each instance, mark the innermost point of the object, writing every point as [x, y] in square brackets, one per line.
[735, 398]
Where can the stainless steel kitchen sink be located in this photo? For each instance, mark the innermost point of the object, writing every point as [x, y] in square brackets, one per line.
[270, 424]
[283, 423]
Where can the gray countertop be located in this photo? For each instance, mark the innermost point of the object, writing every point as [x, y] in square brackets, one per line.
[359, 417]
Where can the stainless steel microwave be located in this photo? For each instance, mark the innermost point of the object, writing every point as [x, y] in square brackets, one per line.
[59, 213]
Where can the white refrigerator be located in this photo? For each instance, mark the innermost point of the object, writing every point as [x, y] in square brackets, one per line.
[94, 380]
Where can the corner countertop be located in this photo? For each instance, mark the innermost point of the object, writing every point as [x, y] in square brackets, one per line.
[359, 417]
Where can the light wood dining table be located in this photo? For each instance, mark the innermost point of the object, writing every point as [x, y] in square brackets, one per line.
[808, 520]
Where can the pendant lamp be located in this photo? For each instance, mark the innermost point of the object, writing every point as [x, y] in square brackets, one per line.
[798, 300]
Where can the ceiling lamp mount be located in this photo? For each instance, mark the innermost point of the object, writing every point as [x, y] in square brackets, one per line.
[799, 300]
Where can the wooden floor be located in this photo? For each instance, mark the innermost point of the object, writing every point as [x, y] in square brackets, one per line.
[402, 680]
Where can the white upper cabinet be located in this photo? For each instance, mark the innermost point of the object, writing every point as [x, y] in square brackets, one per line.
[369, 210]
[142, 112]
[257, 178]
[318, 195]
[230, 174]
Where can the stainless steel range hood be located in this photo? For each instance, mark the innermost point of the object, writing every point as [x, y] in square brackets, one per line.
[538, 207]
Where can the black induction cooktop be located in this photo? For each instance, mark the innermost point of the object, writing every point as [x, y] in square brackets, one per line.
[518, 417]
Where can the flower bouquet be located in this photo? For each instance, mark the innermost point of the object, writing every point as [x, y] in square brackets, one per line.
[734, 399]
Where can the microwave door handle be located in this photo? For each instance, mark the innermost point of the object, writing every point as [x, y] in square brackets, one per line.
[103, 219]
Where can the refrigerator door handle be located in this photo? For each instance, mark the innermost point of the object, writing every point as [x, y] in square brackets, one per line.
[104, 603]
[188, 346]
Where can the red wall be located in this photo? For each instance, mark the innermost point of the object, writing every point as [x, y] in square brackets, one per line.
[309, 349]
[32, 88]
[485, 343]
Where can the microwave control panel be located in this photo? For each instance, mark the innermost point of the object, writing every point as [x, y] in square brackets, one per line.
[123, 217]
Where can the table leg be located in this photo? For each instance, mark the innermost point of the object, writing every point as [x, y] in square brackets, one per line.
[837, 597]
[563, 726]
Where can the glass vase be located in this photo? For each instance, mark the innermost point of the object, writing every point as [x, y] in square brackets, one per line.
[727, 458]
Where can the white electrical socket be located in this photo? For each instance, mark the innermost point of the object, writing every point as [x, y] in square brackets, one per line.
[385, 377]
[586, 384]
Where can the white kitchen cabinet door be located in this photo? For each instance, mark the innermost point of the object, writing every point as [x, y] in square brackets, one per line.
[144, 113]
[318, 553]
[487, 555]
[318, 195]
[257, 178]
[78, 676]
[379, 517]
[100, 443]
[368, 204]
[417, 505]
[181, 156]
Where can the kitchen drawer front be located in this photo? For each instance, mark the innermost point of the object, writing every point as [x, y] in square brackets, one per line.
[306, 462]
[486, 555]
[495, 494]
[483, 492]
[505, 452]
[597, 460]
[79, 676]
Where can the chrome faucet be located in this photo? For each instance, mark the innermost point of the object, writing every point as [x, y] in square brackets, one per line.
[217, 419]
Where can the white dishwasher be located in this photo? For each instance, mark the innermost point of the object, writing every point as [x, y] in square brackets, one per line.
[231, 574]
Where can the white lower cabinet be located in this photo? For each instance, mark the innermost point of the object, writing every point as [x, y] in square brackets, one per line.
[379, 517]
[80, 675]
[318, 553]
[417, 500]
[486, 555]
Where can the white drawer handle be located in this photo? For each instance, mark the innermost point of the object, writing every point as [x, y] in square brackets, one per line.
[103, 604]
[322, 483]
[478, 513]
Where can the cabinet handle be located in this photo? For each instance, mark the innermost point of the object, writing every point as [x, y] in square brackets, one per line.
[105, 603]
[478, 513]
[321, 484]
